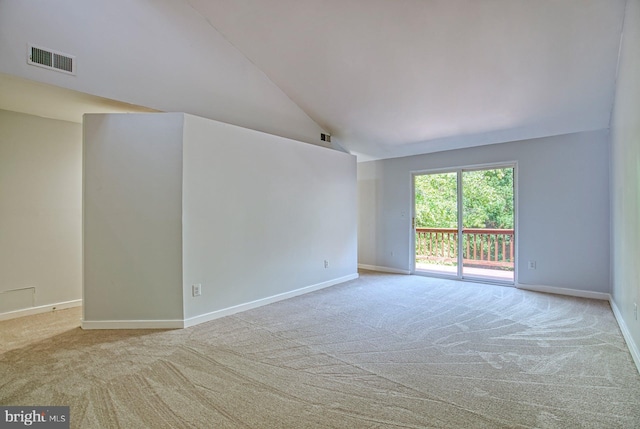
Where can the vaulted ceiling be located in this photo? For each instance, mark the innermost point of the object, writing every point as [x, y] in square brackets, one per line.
[399, 77]
[386, 78]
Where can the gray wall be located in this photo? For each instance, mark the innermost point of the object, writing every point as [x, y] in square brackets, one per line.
[625, 181]
[562, 212]
[40, 211]
[132, 217]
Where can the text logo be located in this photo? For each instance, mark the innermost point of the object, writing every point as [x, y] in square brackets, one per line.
[34, 417]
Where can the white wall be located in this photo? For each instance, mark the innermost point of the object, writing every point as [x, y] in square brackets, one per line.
[40, 211]
[563, 210]
[261, 214]
[625, 182]
[172, 200]
[160, 54]
[132, 217]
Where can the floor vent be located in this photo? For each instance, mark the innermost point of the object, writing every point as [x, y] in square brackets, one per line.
[50, 59]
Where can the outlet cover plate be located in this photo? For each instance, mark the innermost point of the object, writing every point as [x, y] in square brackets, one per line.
[196, 290]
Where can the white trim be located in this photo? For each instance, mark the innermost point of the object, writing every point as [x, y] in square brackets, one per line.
[179, 324]
[40, 309]
[631, 345]
[467, 167]
[132, 324]
[207, 317]
[460, 226]
[565, 291]
[383, 269]
[459, 170]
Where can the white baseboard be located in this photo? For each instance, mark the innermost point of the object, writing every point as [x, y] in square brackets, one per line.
[383, 269]
[178, 324]
[132, 324]
[633, 347]
[264, 301]
[565, 291]
[40, 309]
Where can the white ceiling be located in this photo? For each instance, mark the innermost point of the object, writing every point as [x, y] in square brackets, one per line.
[399, 77]
[391, 78]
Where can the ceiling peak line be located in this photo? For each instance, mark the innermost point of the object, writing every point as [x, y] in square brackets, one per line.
[226, 38]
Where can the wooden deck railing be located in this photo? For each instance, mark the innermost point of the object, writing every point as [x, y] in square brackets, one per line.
[487, 248]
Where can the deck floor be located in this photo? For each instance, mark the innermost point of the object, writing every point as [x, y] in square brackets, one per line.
[483, 273]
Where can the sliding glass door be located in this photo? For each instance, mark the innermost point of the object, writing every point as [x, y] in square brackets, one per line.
[436, 223]
[487, 224]
[464, 223]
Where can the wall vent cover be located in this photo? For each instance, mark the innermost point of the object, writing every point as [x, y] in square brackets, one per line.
[50, 59]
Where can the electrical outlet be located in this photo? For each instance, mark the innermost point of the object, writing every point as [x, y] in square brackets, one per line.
[196, 289]
[326, 263]
[532, 265]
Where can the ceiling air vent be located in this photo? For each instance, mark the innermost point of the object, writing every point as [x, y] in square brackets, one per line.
[50, 59]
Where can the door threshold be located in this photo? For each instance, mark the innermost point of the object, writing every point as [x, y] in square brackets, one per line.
[445, 276]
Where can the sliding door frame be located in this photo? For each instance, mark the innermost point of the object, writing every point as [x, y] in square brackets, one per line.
[459, 170]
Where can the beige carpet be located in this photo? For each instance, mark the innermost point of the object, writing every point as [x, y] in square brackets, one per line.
[382, 351]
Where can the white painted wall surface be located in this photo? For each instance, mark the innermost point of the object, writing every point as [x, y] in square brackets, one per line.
[40, 210]
[172, 200]
[563, 207]
[132, 217]
[625, 180]
[160, 54]
[261, 214]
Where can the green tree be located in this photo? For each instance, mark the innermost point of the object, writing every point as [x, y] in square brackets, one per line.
[487, 199]
[436, 205]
